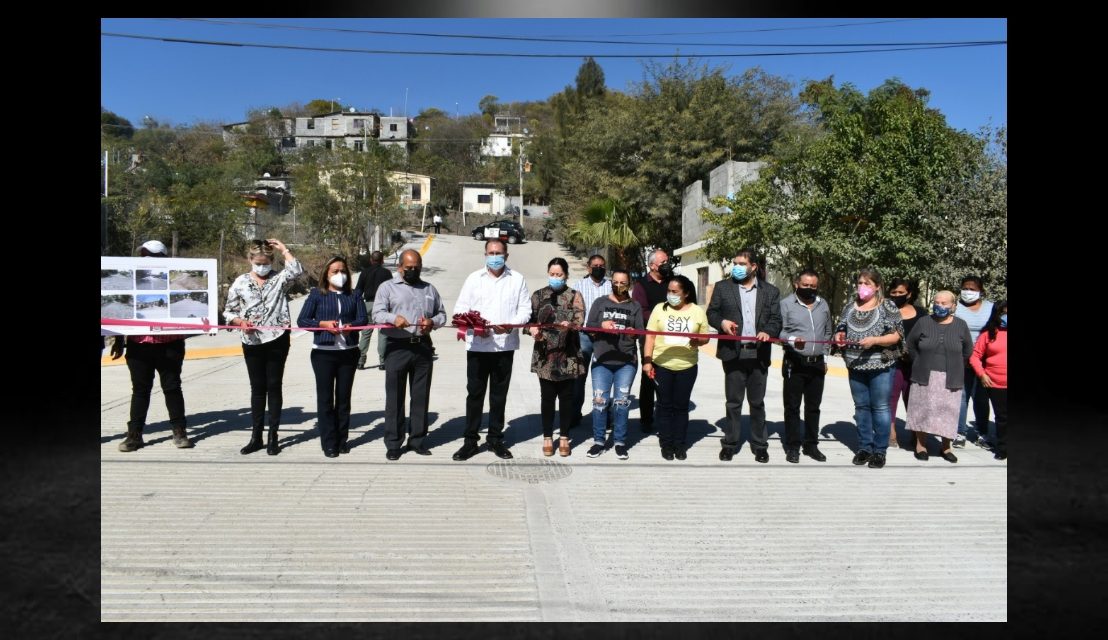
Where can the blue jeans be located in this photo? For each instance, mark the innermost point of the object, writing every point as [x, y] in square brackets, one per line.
[586, 356]
[871, 390]
[978, 394]
[603, 379]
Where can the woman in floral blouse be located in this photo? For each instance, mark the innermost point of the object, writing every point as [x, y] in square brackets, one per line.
[556, 358]
[260, 298]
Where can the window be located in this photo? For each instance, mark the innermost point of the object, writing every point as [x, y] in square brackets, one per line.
[311, 123]
[484, 198]
[392, 127]
[309, 143]
[327, 143]
[358, 146]
[288, 142]
[334, 124]
[417, 192]
[359, 123]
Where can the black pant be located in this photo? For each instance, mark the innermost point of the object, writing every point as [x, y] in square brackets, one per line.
[437, 225]
[745, 377]
[647, 389]
[406, 363]
[265, 365]
[564, 392]
[166, 359]
[334, 380]
[674, 391]
[999, 398]
[803, 381]
[492, 371]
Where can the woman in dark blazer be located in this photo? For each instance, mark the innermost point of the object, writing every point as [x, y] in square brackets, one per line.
[940, 346]
[332, 305]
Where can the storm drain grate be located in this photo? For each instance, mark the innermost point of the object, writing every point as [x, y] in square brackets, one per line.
[529, 470]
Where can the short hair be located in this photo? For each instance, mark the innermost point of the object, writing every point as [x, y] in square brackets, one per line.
[974, 279]
[806, 272]
[594, 257]
[498, 241]
[561, 262]
[376, 258]
[654, 254]
[623, 271]
[752, 255]
[323, 281]
[259, 248]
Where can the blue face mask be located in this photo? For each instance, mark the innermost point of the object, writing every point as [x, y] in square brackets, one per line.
[738, 272]
[940, 311]
[556, 283]
[494, 262]
[1004, 320]
[673, 299]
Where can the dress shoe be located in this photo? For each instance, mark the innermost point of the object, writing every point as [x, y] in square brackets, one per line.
[793, 456]
[393, 454]
[667, 453]
[255, 444]
[949, 456]
[761, 455]
[877, 461]
[466, 452]
[922, 455]
[814, 453]
[861, 457]
[422, 451]
[726, 454]
[680, 454]
[501, 451]
[331, 453]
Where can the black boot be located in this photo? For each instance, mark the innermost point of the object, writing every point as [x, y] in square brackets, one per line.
[255, 443]
[180, 439]
[133, 441]
[272, 448]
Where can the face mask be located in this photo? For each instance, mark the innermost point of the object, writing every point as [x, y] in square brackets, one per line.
[598, 273]
[620, 289]
[556, 284]
[665, 270]
[339, 280]
[865, 292]
[806, 295]
[411, 276]
[899, 301]
[673, 299]
[940, 311]
[969, 296]
[1004, 320]
[496, 263]
[738, 272]
[262, 269]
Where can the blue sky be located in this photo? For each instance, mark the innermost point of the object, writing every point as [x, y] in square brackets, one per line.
[185, 83]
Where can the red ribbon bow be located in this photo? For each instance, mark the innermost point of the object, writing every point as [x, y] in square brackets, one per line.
[471, 320]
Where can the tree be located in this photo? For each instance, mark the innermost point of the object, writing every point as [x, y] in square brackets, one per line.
[590, 80]
[608, 222]
[115, 127]
[323, 106]
[489, 105]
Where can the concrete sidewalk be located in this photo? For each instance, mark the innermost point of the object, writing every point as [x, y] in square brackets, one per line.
[209, 534]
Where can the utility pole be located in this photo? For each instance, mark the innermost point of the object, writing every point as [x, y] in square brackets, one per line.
[521, 182]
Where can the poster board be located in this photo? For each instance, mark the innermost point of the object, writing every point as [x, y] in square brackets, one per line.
[178, 290]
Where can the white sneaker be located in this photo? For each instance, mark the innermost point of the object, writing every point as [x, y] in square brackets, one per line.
[959, 442]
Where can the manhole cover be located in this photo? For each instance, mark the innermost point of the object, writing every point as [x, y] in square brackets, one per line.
[529, 470]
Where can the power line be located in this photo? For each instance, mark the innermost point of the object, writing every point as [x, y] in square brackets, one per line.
[220, 43]
[560, 40]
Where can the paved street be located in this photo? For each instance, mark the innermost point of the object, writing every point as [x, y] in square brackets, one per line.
[207, 534]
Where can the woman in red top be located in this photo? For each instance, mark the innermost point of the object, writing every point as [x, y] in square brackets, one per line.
[990, 363]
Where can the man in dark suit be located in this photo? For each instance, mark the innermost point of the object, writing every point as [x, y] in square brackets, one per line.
[744, 304]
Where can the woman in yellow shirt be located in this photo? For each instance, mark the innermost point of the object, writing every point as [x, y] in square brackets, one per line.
[671, 362]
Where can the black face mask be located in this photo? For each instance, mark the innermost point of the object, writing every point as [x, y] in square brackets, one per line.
[411, 276]
[899, 301]
[806, 295]
[598, 273]
[666, 271]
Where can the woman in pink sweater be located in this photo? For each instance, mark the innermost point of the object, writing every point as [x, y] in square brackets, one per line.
[990, 363]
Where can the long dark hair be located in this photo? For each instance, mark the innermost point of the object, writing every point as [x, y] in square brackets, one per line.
[993, 324]
[323, 280]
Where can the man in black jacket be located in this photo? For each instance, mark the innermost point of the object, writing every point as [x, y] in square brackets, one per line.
[368, 282]
[744, 304]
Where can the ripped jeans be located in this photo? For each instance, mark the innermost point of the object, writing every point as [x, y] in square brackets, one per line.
[604, 378]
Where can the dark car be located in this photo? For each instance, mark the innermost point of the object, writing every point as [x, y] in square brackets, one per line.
[509, 231]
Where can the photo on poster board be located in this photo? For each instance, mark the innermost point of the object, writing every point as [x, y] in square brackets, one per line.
[161, 290]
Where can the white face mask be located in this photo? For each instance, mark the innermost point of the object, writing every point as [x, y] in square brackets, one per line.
[673, 299]
[969, 296]
[262, 270]
[339, 280]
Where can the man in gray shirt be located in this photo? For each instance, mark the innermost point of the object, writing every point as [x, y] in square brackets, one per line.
[805, 317]
[413, 307]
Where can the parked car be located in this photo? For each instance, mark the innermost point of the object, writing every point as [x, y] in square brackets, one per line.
[509, 231]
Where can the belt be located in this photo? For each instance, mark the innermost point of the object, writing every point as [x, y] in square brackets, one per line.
[411, 340]
[808, 359]
[748, 345]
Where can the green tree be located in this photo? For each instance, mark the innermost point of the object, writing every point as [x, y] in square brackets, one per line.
[590, 80]
[607, 222]
[322, 106]
[489, 105]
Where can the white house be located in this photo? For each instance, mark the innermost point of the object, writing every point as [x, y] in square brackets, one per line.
[483, 198]
[414, 189]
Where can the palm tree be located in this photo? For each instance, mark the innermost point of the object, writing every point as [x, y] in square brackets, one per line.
[610, 222]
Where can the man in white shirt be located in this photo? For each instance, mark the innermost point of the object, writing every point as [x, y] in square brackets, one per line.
[500, 296]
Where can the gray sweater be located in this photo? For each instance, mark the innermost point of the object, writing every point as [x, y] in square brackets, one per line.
[936, 347]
